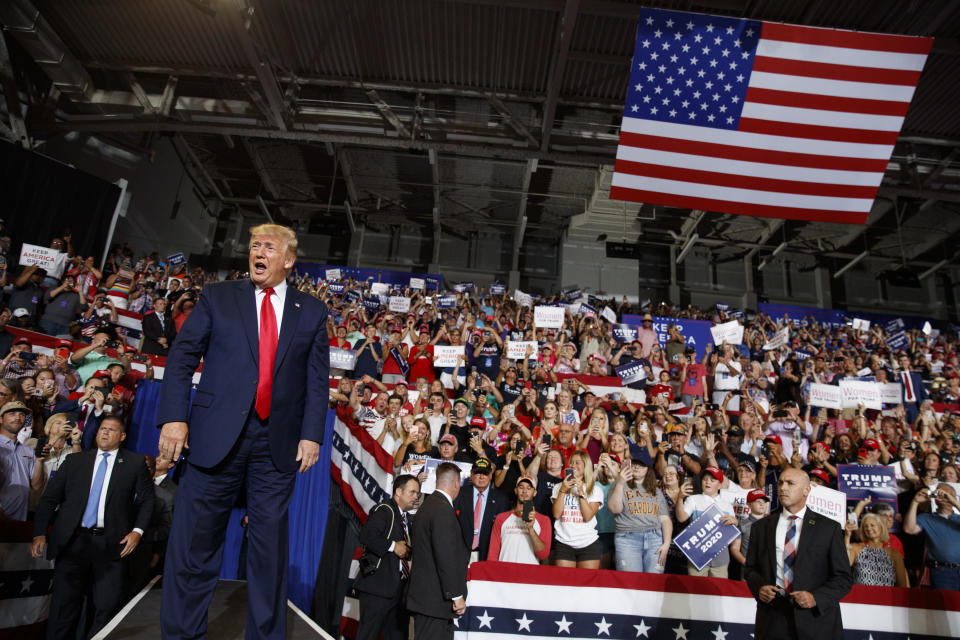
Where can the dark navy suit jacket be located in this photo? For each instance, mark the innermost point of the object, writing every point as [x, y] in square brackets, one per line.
[222, 329]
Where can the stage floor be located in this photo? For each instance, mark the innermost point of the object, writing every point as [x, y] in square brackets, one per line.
[140, 619]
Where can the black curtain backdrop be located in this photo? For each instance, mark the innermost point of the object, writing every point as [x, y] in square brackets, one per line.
[41, 198]
[342, 537]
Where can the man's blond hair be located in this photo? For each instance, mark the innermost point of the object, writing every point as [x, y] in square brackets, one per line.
[286, 234]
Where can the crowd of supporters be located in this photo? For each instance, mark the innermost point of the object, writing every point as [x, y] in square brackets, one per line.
[613, 472]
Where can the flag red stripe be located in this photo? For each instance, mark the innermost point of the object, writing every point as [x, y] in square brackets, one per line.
[846, 39]
[835, 71]
[827, 103]
[347, 493]
[733, 152]
[371, 446]
[738, 208]
[506, 572]
[818, 132]
[744, 182]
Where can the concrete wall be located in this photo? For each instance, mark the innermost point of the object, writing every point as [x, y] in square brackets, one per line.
[153, 181]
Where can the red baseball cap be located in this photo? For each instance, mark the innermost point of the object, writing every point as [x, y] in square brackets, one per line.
[822, 445]
[773, 438]
[820, 473]
[402, 383]
[715, 472]
[101, 373]
[449, 439]
[870, 443]
[478, 422]
[757, 494]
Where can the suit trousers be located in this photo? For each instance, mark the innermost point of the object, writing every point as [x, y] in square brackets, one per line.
[780, 622]
[84, 567]
[383, 615]
[195, 549]
[430, 628]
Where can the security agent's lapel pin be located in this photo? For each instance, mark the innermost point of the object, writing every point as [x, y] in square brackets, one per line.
[296, 304]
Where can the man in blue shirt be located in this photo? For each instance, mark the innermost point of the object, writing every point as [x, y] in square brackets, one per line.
[369, 354]
[942, 529]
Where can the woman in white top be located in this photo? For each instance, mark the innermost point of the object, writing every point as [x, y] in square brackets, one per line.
[575, 503]
[565, 411]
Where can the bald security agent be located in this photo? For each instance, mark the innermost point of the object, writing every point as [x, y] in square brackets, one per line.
[797, 568]
[437, 590]
[257, 417]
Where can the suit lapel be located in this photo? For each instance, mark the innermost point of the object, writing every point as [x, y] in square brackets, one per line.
[86, 473]
[291, 316]
[772, 546]
[247, 310]
[118, 469]
[808, 529]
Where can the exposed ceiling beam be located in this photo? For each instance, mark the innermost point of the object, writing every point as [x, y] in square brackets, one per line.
[510, 120]
[169, 96]
[522, 213]
[17, 129]
[260, 167]
[951, 227]
[388, 114]
[434, 159]
[346, 170]
[141, 95]
[564, 35]
[24, 22]
[772, 227]
[198, 166]
[8, 134]
[417, 116]
[927, 194]
[572, 155]
[242, 20]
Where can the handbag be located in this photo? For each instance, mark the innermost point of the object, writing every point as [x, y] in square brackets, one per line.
[368, 562]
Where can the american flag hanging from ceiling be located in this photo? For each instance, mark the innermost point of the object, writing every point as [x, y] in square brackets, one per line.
[760, 118]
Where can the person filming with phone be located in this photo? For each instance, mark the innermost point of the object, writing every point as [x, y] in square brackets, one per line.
[521, 535]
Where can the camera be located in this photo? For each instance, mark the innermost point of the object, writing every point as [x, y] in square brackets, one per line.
[780, 413]
[765, 449]
[112, 344]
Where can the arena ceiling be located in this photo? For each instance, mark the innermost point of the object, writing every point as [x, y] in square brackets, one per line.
[467, 116]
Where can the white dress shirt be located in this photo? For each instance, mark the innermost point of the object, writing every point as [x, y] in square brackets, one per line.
[783, 523]
[109, 461]
[101, 508]
[277, 299]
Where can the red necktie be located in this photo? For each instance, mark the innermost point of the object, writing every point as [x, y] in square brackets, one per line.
[477, 513]
[908, 386]
[268, 352]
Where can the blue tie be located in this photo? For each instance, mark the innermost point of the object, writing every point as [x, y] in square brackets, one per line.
[93, 500]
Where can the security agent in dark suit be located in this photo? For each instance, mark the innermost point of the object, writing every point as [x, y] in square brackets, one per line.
[147, 560]
[437, 589]
[492, 504]
[797, 568]
[159, 329]
[100, 502]
[386, 540]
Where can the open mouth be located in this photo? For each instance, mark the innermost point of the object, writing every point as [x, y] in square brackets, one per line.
[260, 267]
